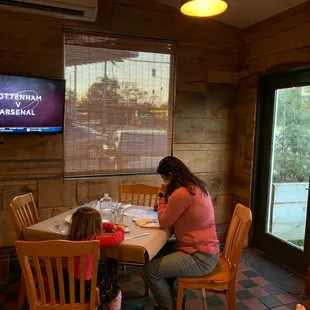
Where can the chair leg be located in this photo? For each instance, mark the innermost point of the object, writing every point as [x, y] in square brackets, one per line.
[146, 290]
[204, 299]
[231, 296]
[179, 297]
[22, 293]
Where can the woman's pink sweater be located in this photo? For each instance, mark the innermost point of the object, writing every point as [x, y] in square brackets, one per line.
[192, 217]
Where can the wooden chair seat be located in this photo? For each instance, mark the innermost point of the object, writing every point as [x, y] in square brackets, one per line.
[220, 275]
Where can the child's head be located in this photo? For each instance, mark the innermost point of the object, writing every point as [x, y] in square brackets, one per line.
[85, 223]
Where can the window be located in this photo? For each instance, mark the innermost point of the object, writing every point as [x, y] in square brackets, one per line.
[119, 97]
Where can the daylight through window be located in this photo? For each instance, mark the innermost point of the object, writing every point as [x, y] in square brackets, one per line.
[119, 96]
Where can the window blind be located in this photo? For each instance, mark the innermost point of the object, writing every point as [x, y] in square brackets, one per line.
[118, 109]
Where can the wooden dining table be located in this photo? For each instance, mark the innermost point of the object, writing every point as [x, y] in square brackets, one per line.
[136, 250]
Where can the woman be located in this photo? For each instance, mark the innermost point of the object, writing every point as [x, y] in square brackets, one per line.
[184, 204]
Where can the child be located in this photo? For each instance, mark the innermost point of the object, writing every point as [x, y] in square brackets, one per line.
[86, 224]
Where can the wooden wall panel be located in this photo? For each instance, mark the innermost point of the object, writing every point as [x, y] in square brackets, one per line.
[286, 20]
[202, 130]
[220, 76]
[45, 40]
[24, 64]
[32, 146]
[218, 183]
[191, 64]
[203, 139]
[30, 169]
[207, 161]
[66, 193]
[244, 140]
[1, 199]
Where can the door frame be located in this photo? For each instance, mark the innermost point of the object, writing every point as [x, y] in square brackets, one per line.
[274, 247]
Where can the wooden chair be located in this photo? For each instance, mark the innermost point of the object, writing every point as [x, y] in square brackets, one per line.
[23, 212]
[138, 194]
[41, 289]
[223, 278]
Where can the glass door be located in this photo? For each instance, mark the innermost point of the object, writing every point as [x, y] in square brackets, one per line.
[281, 199]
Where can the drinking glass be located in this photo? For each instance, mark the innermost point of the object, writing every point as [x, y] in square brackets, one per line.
[118, 215]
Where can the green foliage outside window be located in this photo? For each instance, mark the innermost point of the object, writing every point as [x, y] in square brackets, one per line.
[292, 136]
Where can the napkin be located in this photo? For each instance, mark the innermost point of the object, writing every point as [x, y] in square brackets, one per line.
[147, 222]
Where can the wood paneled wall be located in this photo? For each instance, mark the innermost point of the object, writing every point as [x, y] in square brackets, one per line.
[276, 44]
[206, 97]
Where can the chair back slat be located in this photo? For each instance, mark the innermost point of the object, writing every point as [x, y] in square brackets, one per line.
[94, 298]
[38, 275]
[61, 260]
[237, 233]
[23, 212]
[138, 194]
[27, 268]
[60, 278]
[71, 280]
[82, 279]
[50, 279]
[30, 215]
[26, 217]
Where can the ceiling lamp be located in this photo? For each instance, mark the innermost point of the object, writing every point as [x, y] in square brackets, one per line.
[203, 8]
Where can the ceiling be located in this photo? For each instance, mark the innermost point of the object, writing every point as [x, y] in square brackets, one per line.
[243, 13]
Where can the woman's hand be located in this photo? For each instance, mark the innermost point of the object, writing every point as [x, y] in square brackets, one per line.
[164, 187]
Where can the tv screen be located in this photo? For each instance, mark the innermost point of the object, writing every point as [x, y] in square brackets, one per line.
[29, 104]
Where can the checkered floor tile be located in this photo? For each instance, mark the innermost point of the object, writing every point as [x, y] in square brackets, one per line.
[253, 292]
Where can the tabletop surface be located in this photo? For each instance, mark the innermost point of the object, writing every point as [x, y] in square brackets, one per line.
[131, 250]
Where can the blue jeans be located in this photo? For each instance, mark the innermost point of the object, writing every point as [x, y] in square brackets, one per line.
[177, 264]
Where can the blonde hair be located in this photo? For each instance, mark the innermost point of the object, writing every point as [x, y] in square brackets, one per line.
[85, 224]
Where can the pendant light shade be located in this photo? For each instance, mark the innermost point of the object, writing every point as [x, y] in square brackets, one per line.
[203, 8]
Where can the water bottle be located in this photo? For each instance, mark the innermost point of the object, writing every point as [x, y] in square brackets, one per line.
[106, 208]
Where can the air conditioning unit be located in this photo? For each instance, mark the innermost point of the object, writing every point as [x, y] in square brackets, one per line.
[84, 10]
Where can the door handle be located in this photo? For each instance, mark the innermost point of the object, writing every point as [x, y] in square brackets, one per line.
[307, 189]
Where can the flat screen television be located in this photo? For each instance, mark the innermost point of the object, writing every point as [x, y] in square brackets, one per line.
[31, 104]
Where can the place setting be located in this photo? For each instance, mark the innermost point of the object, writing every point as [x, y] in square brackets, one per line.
[116, 212]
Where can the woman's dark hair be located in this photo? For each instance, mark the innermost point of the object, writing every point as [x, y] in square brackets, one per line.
[180, 176]
[85, 224]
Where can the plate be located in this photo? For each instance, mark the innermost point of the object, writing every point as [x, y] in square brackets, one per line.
[68, 219]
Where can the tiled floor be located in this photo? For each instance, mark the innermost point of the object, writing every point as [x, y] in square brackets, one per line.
[253, 292]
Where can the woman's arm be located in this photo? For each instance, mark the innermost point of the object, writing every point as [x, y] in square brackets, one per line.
[112, 240]
[169, 213]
